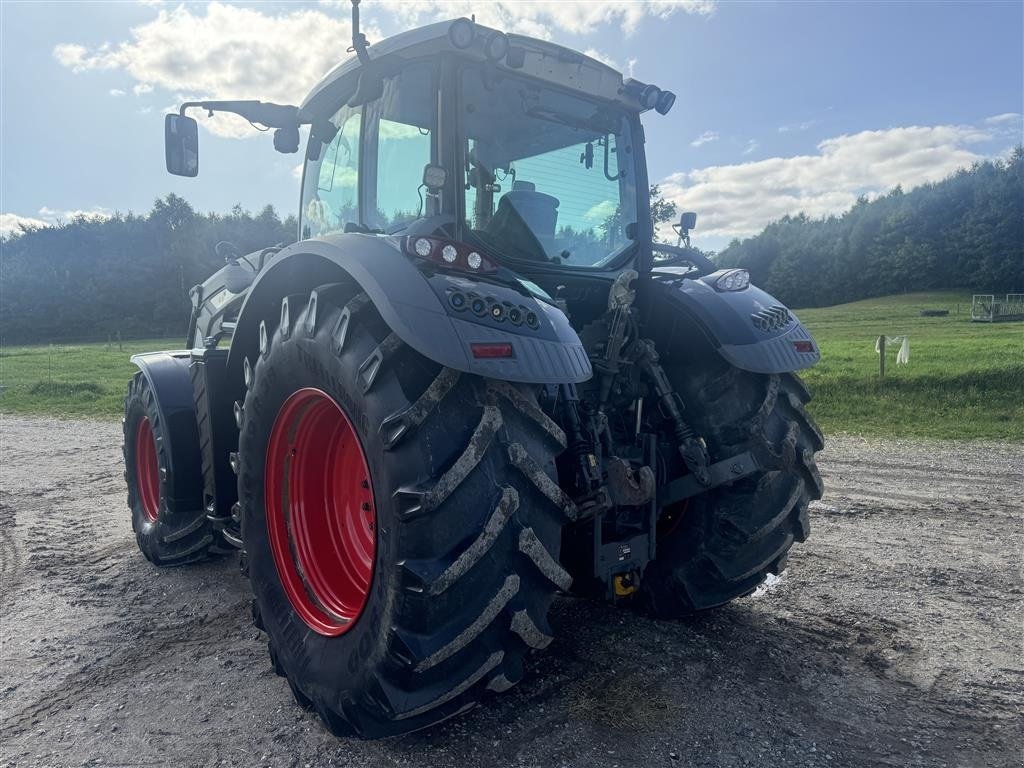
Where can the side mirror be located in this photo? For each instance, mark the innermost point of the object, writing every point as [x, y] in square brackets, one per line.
[181, 145]
[688, 221]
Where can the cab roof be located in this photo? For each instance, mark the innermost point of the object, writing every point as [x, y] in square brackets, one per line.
[543, 60]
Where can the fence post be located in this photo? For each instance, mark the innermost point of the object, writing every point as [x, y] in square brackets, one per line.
[881, 356]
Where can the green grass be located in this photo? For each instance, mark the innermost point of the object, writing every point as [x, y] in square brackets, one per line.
[964, 380]
[70, 380]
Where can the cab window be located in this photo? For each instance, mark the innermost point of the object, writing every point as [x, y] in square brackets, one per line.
[402, 122]
[332, 182]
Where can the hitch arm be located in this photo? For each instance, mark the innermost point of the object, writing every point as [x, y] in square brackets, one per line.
[721, 472]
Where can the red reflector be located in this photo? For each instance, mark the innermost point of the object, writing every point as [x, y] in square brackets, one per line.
[803, 346]
[492, 350]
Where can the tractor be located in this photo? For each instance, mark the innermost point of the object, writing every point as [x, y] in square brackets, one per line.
[478, 379]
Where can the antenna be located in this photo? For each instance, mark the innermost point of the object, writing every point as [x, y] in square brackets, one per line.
[359, 43]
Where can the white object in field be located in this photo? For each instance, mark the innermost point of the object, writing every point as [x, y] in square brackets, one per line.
[903, 356]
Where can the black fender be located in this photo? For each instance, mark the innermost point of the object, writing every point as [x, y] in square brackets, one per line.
[417, 307]
[168, 376]
[750, 328]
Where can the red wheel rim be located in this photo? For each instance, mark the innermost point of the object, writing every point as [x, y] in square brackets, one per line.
[147, 469]
[321, 517]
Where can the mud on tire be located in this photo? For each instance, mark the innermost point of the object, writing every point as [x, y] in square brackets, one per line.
[723, 544]
[468, 521]
[165, 500]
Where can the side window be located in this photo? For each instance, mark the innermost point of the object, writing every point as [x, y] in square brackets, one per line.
[332, 183]
[403, 119]
[402, 151]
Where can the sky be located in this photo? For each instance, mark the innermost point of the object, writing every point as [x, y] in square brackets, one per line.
[783, 107]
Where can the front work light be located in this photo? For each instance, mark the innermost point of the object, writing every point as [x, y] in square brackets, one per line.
[664, 102]
[649, 96]
[733, 280]
[462, 33]
[496, 46]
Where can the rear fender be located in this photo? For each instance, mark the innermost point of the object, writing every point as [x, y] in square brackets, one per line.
[417, 308]
[750, 328]
[168, 376]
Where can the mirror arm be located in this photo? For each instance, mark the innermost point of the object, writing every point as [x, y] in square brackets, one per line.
[359, 41]
[264, 113]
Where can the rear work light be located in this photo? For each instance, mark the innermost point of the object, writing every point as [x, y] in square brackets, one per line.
[492, 351]
[449, 253]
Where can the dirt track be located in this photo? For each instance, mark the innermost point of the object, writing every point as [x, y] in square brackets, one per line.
[893, 639]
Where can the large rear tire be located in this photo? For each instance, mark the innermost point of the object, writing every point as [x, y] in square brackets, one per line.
[393, 631]
[723, 544]
[166, 501]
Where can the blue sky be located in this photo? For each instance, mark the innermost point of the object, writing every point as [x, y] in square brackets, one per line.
[782, 107]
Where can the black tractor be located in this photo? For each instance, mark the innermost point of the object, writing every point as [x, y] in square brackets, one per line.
[476, 380]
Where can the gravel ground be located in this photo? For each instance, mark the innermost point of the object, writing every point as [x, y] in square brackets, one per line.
[894, 638]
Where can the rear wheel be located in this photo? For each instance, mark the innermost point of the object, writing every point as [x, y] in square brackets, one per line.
[722, 544]
[400, 520]
[167, 506]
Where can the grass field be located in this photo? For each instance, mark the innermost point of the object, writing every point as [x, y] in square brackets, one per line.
[70, 380]
[964, 380]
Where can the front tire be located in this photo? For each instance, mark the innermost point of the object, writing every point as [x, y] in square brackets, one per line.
[723, 544]
[453, 587]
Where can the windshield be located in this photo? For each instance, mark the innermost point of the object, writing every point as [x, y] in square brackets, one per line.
[548, 176]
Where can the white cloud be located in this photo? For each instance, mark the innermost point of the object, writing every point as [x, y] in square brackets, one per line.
[53, 216]
[224, 51]
[142, 88]
[751, 146]
[739, 200]
[116, 92]
[13, 224]
[1003, 119]
[297, 171]
[704, 138]
[794, 127]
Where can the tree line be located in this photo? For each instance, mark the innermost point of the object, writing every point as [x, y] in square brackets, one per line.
[89, 280]
[965, 232]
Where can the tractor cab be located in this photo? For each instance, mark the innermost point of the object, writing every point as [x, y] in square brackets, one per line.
[520, 151]
[527, 152]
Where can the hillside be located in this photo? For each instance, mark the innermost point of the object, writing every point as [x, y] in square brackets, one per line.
[965, 233]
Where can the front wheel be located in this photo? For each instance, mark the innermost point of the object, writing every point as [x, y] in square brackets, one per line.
[722, 544]
[400, 520]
